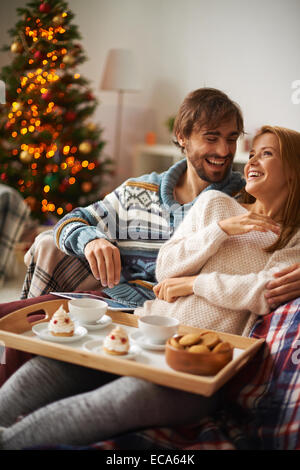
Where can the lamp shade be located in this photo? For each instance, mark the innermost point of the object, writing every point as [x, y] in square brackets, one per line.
[120, 71]
[2, 92]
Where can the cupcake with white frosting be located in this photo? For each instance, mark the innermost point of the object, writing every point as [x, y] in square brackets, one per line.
[61, 323]
[117, 342]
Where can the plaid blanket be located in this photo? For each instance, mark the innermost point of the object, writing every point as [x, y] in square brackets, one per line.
[261, 404]
[49, 269]
[13, 215]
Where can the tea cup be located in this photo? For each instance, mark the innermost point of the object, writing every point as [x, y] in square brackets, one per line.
[157, 328]
[87, 310]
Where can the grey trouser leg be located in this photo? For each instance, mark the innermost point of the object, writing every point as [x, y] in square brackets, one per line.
[41, 381]
[118, 406]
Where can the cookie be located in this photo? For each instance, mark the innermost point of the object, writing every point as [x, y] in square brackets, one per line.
[210, 339]
[190, 339]
[198, 348]
[175, 343]
[222, 348]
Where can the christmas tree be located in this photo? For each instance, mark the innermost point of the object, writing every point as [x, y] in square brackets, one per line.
[49, 149]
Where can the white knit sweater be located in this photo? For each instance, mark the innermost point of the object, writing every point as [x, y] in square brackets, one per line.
[233, 270]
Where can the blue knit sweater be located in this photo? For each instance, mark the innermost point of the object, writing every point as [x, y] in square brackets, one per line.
[138, 217]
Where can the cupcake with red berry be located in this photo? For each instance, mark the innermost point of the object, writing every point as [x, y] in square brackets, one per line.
[61, 323]
[117, 342]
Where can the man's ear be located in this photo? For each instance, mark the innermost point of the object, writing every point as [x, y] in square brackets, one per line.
[180, 140]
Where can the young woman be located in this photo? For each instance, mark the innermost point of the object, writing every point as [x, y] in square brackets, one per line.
[212, 273]
[218, 262]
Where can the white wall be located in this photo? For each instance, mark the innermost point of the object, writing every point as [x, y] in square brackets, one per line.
[249, 49]
[252, 52]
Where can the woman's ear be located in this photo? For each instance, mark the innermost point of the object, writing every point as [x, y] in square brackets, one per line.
[290, 176]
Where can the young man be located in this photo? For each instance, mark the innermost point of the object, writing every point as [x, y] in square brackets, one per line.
[112, 245]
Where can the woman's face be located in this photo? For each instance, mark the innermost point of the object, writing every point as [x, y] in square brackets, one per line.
[264, 172]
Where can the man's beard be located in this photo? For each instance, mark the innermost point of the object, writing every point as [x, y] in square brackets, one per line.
[201, 172]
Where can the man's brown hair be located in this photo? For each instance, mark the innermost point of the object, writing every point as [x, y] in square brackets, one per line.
[206, 106]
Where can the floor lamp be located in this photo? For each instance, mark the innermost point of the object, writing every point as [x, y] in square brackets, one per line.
[119, 75]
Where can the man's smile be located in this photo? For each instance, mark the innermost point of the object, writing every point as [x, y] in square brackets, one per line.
[216, 161]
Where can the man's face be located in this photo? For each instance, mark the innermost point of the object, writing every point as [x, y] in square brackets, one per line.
[211, 151]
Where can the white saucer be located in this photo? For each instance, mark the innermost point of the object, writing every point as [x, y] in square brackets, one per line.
[41, 330]
[145, 343]
[98, 325]
[95, 346]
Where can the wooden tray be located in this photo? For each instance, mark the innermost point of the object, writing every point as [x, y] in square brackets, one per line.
[15, 332]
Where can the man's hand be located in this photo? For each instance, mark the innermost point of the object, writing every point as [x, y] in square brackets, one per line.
[105, 261]
[170, 289]
[285, 287]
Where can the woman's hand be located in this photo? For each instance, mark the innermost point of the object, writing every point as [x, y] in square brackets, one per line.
[285, 287]
[248, 222]
[104, 260]
[170, 289]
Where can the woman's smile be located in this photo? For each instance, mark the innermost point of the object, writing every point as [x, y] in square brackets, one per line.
[254, 174]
